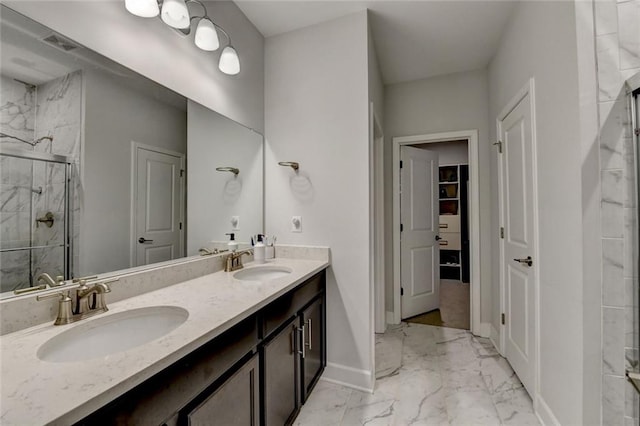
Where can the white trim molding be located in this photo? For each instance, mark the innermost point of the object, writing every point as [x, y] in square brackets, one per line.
[354, 378]
[474, 215]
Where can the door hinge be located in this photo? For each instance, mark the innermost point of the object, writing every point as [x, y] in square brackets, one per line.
[499, 143]
[400, 163]
[401, 291]
[637, 131]
[181, 172]
[503, 319]
[180, 225]
[401, 228]
[502, 232]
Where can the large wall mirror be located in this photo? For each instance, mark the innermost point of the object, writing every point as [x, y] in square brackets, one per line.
[103, 169]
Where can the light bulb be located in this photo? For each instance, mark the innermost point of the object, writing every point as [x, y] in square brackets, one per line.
[142, 8]
[206, 35]
[229, 61]
[175, 14]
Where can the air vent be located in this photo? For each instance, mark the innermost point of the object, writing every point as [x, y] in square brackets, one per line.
[60, 42]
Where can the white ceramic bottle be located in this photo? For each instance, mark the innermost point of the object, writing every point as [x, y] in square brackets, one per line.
[258, 250]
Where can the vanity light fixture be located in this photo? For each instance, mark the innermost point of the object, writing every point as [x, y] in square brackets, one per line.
[176, 14]
[233, 170]
[294, 165]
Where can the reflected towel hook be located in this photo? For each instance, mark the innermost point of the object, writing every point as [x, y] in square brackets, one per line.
[294, 165]
[233, 170]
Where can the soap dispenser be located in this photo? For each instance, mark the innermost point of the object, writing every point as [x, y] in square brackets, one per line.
[258, 250]
[233, 244]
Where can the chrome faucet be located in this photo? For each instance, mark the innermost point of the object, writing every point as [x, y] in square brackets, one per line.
[233, 261]
[48, 280]
[89, 300]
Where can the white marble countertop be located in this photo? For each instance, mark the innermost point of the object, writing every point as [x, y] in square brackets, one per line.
[39, 392]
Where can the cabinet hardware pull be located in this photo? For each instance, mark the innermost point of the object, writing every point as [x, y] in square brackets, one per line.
[293, 339]
[302, 352]
[443, 242]
[309, 327]
[444, 225]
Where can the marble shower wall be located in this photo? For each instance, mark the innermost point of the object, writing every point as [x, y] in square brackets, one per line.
[59, 115]
[617, 34]
[17, 117]
[51, 109]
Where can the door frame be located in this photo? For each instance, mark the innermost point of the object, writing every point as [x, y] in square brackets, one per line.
[474, 215]
[135, 146]
[527, 89]
[376, 226]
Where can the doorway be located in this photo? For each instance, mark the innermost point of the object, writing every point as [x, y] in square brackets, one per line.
[470, 137]
[157, 205]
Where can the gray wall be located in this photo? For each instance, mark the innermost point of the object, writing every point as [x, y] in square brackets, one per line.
[153, 49]
[540, 42]
[114, 117]
[441, 104]
[215, 141]
[317, 113]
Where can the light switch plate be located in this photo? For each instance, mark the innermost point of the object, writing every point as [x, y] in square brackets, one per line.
[296, 224]
[235, 223]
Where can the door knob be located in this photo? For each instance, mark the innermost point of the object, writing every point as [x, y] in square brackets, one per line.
[528, 261]
[143, 240]
[438, 238]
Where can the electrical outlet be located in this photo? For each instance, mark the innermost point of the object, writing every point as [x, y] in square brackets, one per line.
[296, 224]
[235, 223]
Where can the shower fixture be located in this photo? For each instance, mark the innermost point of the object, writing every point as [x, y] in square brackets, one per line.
[294, 165]
[233, 170]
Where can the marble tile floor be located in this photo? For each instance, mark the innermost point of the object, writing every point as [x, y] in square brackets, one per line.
[427, 375]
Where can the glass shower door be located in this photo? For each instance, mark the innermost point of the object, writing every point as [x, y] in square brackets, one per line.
[34, 223]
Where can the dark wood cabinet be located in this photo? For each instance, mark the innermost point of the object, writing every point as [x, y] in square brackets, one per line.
[280, 376]
[313, 345]
[259, 372]
[234, 402]
[295, 353]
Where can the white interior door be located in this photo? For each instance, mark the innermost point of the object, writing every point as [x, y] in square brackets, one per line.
[158, 207]
[519, 245]
[419, 216]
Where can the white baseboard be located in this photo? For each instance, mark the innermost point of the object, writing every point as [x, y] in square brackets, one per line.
[484, 330]
[494, 336]
[390, 317]
[544, 413]
[350, 377]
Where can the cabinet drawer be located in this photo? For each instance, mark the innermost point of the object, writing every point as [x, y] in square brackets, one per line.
[288, 305]
[450, 241]
[449, 223]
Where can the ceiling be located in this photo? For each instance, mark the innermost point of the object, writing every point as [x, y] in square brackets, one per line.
[413, 39]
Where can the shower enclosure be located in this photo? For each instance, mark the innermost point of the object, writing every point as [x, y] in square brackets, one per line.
[35, 216]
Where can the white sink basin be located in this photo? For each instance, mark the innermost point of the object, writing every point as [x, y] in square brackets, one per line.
[262, 273]
[101, 336]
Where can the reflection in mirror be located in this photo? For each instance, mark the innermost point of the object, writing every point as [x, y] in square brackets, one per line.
[93, 164]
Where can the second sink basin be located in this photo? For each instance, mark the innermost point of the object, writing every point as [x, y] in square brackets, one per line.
[262, 273]
[114, 333]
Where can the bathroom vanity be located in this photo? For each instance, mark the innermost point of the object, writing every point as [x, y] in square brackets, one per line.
[249, 352]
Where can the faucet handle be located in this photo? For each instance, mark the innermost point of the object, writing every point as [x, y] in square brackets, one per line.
[59, 294]
[65, 311]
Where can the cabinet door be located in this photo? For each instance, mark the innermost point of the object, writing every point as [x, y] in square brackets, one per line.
[235, 402]
[280, 372]
[313, 357]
